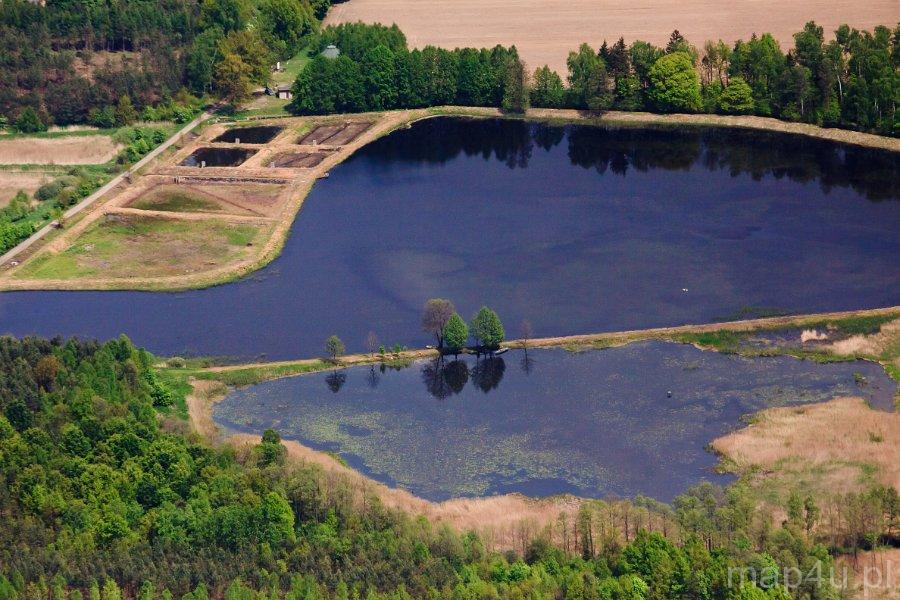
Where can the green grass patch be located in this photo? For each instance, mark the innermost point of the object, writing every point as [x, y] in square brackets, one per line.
[251, 375]
[59, 134]
[177, 381]
[129, 246]
[176, 202]
[292, 68]
[857, 325]
[722, 340]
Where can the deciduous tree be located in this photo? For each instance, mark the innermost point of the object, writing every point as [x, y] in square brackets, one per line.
[435, 316]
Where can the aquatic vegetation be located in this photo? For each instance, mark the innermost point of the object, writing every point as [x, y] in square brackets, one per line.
[628, 420]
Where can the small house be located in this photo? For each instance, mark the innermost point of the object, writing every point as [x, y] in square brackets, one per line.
[331, 51]
[284, 92]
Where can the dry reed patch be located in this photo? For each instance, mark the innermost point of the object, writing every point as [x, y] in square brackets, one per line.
[828, 445]
[876, 344]
[73, 150]
[199, 406]
[127, 246]
[13, 181]
[545, 31]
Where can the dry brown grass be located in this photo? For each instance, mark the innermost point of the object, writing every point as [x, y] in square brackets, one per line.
[872, 345]
[836, 440]
[74, 150]
[13, 181]
[544, 31]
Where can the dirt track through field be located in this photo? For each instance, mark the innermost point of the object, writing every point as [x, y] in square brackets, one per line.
[544, 31]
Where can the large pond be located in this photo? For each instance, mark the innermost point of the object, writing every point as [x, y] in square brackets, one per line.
[577, 229]
[594, 423]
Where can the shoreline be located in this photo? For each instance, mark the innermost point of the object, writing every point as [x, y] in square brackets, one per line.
[498, 519]
[387, 123]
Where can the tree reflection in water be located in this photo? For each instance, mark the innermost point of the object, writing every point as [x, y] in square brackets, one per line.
[443, 378]
[335, 381]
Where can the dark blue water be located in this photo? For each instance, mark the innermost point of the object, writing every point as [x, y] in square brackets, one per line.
[594, 424]
[576, 229]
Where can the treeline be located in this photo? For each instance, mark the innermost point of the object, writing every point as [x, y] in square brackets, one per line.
[104, 496]
[67, 57]
[849, 81]
[376, 71]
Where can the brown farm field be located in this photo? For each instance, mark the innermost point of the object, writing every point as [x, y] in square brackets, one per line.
[65, 150]
[544, 31]
[27, 181]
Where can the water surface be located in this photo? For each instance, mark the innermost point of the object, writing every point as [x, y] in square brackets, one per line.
[595, 423]
[249, 135]
[217, 157]
[577, 229]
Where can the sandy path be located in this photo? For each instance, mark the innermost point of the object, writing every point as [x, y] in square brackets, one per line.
[545, 31]
[74, 150]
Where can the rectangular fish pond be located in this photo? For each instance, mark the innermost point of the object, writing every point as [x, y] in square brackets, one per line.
[217, 157]
[249, 135]
[594, 423]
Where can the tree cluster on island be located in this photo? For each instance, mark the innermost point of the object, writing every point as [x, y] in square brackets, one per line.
[452, 333]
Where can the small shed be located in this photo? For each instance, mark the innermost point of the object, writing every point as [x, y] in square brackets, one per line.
[331, 51]
[284, 92]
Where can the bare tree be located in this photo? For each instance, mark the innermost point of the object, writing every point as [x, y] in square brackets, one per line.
[372, 342]
[435, 316]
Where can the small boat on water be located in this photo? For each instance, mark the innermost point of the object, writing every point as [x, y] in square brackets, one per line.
[501, 351]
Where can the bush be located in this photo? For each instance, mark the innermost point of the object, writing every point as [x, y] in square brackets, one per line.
[29, 121]
[49, 191]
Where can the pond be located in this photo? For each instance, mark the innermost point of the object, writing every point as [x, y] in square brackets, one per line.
[575, 228]
[217, 157]
[249, 135]
[594, 423]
